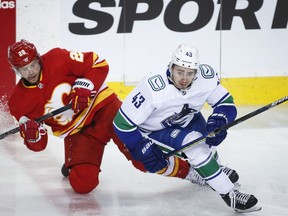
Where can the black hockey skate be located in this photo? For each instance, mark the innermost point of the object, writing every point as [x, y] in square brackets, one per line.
[241, 202]
[65, 171]
[232, 174]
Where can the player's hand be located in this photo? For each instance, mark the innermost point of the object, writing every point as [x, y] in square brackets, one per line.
[216, 121]
[31, 130]
[150, 155]
[81, 94]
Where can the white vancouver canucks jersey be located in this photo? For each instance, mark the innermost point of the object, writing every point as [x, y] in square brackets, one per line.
[156, 103]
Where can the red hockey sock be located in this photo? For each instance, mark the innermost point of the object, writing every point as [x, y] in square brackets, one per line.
[177, 168]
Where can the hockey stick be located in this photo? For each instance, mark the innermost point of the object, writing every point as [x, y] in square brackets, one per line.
[226, 127]
[42, 118]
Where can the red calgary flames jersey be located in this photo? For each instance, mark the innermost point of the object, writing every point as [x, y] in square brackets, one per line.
[60, 68]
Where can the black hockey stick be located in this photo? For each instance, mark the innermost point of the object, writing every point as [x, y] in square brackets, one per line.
[225, 127]
[42, 118]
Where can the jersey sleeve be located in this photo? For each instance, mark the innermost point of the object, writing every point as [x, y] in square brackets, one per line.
[138, 105]
[135, 110]
[88, 65]
[223, 102]
[218, 97]
[21, 103]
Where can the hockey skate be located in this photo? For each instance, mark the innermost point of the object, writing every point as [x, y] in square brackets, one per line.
[232, 174]
[65, 171]
[195, 178]
[241, 202]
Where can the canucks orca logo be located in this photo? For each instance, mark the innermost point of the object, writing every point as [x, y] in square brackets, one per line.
[181, 118]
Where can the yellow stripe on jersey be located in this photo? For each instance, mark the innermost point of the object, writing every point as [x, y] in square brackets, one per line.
[98, 64]
[101, 64]
[80, 121]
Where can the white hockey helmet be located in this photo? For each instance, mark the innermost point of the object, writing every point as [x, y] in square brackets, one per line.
[185, 56]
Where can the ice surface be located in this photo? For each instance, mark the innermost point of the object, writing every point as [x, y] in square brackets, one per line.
[31, 183]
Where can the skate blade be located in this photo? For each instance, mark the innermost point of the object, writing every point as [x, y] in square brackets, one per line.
[252, 209]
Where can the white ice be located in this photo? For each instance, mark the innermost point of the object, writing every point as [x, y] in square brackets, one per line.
[31, 183]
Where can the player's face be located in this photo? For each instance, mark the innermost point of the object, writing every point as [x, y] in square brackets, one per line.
[182, 77]
[31, 71]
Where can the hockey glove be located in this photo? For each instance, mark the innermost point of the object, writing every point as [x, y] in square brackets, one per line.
[150, 155]
[31, 130]
[216, 121]
[81, 94]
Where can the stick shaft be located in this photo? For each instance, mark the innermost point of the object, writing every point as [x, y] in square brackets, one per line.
[53, 113]
[226, 127]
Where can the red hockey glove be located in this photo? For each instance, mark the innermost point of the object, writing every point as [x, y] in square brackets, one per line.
[81, 94]
[31, 130]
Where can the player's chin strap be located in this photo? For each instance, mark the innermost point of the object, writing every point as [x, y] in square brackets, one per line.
[225, 127]
[42, 118]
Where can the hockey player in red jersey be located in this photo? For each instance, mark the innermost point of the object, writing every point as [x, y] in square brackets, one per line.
[58, 78]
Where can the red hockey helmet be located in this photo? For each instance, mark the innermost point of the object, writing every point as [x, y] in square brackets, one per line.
[21, 53]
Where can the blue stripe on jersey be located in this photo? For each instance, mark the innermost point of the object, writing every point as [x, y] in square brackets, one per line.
[224, 97]
[126, 117]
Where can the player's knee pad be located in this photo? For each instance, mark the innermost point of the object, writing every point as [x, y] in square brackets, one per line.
[198, 153]
[84, 177]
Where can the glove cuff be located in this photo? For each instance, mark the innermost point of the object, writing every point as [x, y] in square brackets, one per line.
[220, 115]
[83, 83]
[23, 120]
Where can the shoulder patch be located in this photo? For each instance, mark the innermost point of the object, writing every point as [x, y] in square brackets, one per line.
[156, 82]
[207, 71]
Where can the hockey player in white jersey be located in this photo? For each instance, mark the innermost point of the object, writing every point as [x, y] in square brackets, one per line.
[163, 113]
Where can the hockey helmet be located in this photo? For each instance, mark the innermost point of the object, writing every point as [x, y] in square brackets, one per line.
[21, 53]
[185, 56]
